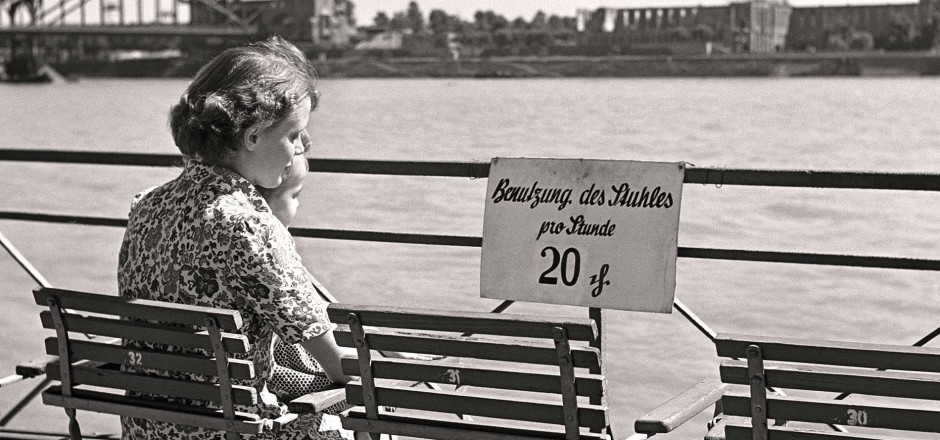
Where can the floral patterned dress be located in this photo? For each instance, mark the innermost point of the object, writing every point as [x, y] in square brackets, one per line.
[208, 238]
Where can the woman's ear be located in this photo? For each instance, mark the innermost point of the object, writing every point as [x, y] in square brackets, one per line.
[250, 137]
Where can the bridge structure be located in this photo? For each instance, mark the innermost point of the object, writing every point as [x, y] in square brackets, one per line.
[155, 18]
[68, 31]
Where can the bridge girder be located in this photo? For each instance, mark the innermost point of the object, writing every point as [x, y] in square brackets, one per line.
[33, 6]
[231, 11]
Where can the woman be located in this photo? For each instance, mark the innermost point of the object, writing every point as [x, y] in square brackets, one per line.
[208, 238]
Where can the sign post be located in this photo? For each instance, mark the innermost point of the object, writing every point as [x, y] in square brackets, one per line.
[594, 233]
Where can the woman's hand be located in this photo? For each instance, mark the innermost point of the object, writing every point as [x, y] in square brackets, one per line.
[328, 354]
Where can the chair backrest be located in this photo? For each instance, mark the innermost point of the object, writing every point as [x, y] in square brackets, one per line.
[901, 378]
[97, 362]
[528, 377]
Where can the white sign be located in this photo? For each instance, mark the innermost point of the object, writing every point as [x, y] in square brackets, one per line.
[595, 233]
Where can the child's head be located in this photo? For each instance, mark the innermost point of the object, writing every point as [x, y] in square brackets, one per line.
[283, 200]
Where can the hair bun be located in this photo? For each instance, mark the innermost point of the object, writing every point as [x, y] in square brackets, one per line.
[205, 120]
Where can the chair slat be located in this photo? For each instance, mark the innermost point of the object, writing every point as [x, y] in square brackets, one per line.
[137, 407]
[836, 379]
[837, 412]
[469, 347]
[455, 429]
[891, 357]
[242, 395]
[160, 360]
[589, 416]
[229, 320]
[591, 385]
[146, 332]
[461, 322]
[742, 431]
[84, 393]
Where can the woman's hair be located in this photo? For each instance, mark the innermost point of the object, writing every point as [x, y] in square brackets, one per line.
[258, 83]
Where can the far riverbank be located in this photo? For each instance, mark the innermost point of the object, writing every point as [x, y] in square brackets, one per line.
[724, 65]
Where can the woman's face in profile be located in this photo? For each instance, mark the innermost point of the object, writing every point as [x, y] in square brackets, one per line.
[269, 153]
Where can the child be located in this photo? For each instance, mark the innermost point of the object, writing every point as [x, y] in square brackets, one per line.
[295, 372]
[283, 199]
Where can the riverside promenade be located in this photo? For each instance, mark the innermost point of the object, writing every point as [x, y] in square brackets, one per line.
[715, 65]
[778, 64]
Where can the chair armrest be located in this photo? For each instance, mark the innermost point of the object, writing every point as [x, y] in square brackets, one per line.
[35, 367]
[318, 401]
[277, 423]
[681, 408]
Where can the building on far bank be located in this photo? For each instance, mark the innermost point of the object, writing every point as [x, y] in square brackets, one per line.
[747, 26]
[332, 22]
[759, 26]
[318, 22]
[755, 26]
[811, 25]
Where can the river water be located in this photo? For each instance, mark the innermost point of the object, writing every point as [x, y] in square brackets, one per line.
[859, 124]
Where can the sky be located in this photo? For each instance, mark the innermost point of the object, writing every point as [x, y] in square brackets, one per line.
[366, 9]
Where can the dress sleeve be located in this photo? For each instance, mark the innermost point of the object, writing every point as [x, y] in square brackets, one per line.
[140, 196]
[269, 277]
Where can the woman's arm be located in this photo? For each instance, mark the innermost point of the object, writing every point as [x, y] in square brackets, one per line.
[328, 354]
[276, 286]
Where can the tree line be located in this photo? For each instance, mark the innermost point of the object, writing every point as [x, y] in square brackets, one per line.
[490, 33]
[439, 22]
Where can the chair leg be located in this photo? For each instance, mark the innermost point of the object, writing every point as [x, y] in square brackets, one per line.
[75, 432]
[230, 435]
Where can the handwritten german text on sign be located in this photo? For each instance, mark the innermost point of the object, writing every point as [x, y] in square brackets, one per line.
[596, 233]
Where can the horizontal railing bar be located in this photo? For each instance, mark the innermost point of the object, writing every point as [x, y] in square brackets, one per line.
[705, 175]
[58, 218]
[814, 179]
[469, 241]
[91, 157]
[401, 168]
[388, 237]
[810, 258]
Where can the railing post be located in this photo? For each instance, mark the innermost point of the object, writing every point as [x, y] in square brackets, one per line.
[365, 370]
[65, 364]
[569, 395]
[225, 380]
[755, 372]
[596, 314]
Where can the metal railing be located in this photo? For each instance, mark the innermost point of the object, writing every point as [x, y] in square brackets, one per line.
[693, 175]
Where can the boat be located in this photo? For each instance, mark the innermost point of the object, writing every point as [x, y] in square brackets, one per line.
[24, 69]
